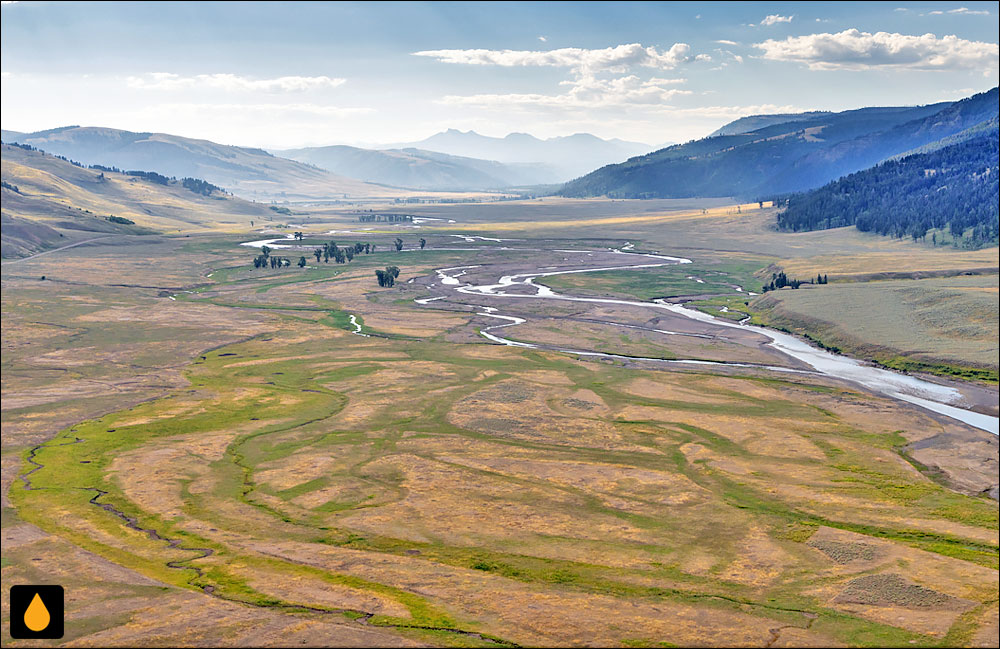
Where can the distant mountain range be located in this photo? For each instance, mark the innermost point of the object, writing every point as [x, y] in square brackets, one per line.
[247, 172]
[449, 161]
[420, 169]
[797, 153]
[568, 156]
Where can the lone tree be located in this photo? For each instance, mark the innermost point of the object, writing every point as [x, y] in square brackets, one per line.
[264, 250]
[302, 262]
[423, 242]
[399, 244]
[318, 253]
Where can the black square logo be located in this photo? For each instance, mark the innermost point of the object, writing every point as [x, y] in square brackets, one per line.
[36, 612]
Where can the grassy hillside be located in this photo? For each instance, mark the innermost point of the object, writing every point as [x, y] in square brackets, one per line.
[755, 122]
[947, 325]
[49, 202]
[251, 173]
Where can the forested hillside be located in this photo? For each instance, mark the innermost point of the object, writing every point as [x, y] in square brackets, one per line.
[793, 156]
[954, 188]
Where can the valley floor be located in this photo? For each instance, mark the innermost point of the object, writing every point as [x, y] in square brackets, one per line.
[204, 453]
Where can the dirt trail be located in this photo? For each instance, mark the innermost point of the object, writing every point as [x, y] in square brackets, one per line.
[46, 252]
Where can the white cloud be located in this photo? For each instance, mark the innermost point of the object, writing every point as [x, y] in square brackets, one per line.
[586, 93]
[591, 86]
[581, 61]
[856, 50]
[969, 12]
[774, 19]
[725, 42]
[965, 11]
[542, 38]
[231, 82]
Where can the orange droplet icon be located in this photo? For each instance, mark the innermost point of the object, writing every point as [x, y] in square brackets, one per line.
[36, 617]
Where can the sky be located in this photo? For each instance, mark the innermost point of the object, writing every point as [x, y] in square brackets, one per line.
[282, 75]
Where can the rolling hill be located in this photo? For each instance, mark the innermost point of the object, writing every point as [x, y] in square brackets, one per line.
[755, 122]
[786, 157]
[420, 169]
[250, 173]
[48, 202]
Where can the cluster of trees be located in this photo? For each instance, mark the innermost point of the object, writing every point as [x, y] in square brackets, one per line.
[262, 260]
[387, 278]
[196, 185]
[342, 255]
[151, 176]
[389, 218]
[281, 210]
[954, 188]
[780, 280]
[265, 259]
[13, 188]
[121, 220]
[199, 186]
